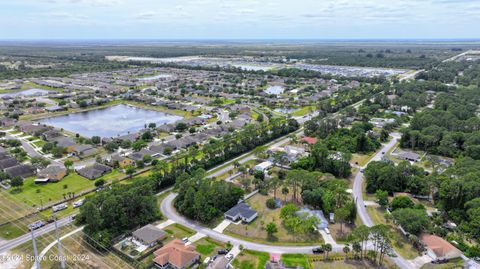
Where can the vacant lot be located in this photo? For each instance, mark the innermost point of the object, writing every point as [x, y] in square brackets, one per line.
[249, 259]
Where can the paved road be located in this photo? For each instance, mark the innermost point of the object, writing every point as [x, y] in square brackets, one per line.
[358, 196]
[28, 148]
[5, 246]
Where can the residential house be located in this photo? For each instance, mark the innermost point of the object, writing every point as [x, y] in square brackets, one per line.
[53, 172]
[175, 255]
[8, 162]
[21, 170]
[409, 156]
[84, 150]
[241, 211]
[65, 142]
[94, 171]
[149, 235]
[438, 248]
[122, 161]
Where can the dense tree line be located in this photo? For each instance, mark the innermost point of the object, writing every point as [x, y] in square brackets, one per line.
[463, 73]
[205, 199]
[458, 192]
[324, 160]
[451, 128]
[403, 177]
[112, 212]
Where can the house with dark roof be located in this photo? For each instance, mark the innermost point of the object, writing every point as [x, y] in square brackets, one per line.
[21, 170]
[94, 171]
[84, 150]
[122, 161]
[8, 162]
[149, 235]
[65, 142]
[241, 211]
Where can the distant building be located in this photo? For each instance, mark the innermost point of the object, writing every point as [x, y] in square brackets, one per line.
[409, 156]
[262, 167]
[53, 172]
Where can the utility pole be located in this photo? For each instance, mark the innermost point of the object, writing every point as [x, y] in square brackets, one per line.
[35, 251]
[59, 244]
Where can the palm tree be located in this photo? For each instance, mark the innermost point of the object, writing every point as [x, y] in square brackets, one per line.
[327, 248]
[285, 191]
[346, 250]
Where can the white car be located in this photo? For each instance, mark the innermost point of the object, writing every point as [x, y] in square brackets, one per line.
[77, 203]
[185, 239]
[229, 256]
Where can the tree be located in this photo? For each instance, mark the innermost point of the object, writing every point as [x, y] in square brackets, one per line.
[327, 248]
[285, 192]
[16, 182]
[382, 198]
[96, 140]
[341, 215]
[138, 145]
[271, 229]
[401, 202]
[413, 221]
[68, 164]
[39, 162]
[130, 170]
[271, 204]
[346, 250]
[356, 247]
[99, 183]
[181, 126]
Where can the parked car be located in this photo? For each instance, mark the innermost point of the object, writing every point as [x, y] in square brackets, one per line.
[229, 256]
[317, 250]
[222, 251]
[185, 239]
[59, 207]
[77, 203]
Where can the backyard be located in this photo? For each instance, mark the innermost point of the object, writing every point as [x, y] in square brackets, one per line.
[249, 259]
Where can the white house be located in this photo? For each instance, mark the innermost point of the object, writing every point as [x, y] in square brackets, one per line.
[263, 166]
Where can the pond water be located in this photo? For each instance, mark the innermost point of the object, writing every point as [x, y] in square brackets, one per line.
[275, 90]
[155, 77]
[29, 92]
[285, 110]
[110, 121]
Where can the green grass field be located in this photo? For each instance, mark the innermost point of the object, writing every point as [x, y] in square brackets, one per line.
[35, 195]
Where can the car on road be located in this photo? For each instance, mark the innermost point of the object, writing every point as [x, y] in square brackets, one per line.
[185, 239]
[317, 250]
[229, 256]
[36, 225]
[362, 170]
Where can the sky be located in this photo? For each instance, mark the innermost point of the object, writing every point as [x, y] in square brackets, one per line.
[239, 19]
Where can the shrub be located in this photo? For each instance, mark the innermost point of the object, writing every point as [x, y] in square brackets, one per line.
[271, 203]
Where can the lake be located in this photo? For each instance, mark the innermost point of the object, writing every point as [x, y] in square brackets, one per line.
[285, 110]
[110, 121]
[29, 92]
[275, 90]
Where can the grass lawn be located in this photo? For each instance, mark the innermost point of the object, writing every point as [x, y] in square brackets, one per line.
[303, 111]
[361, 159]
[208, 247]
[177, 231]
[34, 195]
[249, 259]
[11, 209]
[296, 260]
[10, 231]
[39, 143]
[255, 230]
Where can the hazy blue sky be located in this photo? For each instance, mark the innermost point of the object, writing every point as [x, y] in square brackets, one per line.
[237, 19]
